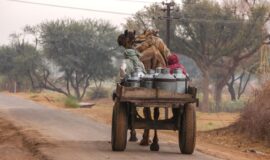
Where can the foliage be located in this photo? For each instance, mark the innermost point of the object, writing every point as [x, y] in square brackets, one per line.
[71, 102]
[80, 51]
[18, 60]
[99, 92]
[216, 36]
[228, 106]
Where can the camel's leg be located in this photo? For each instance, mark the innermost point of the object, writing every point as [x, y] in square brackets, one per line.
[175, 112]
[159, 58]
[152, 58]
[147, 55]
[147, 115]
[133, 115]
[133, 137]
[155, 146]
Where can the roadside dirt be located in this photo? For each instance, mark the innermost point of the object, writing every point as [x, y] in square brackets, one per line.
[17, 144]
[76, 137]
[221, 143]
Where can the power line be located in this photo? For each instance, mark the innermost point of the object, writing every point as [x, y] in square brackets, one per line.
[200, 20]
[135, 1]
[120, 13]
[69, 7]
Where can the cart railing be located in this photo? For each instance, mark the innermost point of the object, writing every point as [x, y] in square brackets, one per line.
[154, 96]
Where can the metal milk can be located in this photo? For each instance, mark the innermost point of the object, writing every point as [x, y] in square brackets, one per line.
[148, 80]
[133, 80]
[157, 71]
[165, 81]
[181, 81]
[139, 71]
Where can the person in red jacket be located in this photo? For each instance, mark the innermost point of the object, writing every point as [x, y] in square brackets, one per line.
[173, 63]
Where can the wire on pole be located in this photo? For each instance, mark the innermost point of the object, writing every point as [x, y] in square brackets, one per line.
[69, 7]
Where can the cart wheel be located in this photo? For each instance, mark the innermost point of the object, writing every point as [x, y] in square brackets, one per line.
[119, 127]
[187, 130]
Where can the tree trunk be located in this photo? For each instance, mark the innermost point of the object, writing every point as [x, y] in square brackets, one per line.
[77, 93]
[205, 90]
[231, 91]
[218, 97]
[15, 87]
[241, 89]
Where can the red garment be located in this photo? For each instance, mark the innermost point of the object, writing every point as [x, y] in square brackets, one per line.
[173, 63]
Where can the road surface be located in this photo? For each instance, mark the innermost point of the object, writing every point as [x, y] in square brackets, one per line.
[75, 137]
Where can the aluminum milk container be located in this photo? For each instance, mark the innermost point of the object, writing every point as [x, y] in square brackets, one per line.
[157, 71]
[139, 72]
[133, 80]
[165, 80]
[181, 81]
[148, 80]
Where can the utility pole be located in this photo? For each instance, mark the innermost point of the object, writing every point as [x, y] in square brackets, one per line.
[168, 8]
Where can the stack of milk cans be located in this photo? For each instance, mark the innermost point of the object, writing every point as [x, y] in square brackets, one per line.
[160, 79]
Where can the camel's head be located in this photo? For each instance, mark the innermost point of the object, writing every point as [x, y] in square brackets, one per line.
[127, 39]
[147, 33]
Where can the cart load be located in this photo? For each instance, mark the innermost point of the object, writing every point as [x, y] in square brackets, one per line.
[157, 89]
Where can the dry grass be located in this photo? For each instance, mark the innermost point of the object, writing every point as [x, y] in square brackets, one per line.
[255, 118]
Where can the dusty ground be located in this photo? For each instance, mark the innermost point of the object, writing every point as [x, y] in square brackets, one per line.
[18, 144]
[221, 143]
[76, 137]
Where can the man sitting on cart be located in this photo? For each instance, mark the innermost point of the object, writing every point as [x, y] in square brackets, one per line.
[129, 64]
[131, 55]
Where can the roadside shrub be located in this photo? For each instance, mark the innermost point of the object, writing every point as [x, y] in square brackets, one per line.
[227, 105]
[97, 93]
[71, 102]
[255, 117]
[233, 106]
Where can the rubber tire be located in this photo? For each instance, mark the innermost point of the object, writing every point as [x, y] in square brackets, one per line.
[187, 130]
[119, 127]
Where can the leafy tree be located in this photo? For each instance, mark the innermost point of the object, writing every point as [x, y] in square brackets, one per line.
[217, 38]
[75, 52]
[18, 60]
[152, 17]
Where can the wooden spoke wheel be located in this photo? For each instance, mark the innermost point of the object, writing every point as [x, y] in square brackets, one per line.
[187, 130]
[119, 127]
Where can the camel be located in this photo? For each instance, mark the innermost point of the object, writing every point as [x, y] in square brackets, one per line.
[154, 54]
[150, 45]
[149, 40]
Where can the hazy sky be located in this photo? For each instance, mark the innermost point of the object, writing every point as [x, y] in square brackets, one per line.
[14, 15]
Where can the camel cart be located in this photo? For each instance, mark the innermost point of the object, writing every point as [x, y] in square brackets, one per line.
[125, 115]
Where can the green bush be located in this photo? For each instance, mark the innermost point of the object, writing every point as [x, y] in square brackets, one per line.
[233, 106]
[97, 93]
[226, 105]
[71, 102]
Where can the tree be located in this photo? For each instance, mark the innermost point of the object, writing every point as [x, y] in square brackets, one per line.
[18, 60]
[152, 17]
[75, 52]
[217, 38]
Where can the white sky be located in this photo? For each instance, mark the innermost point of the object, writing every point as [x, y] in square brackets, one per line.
[14, 16]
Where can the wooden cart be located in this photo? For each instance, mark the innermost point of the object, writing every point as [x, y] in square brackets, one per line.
[125, 115]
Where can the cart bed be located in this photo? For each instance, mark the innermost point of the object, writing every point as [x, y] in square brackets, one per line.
[153, 96]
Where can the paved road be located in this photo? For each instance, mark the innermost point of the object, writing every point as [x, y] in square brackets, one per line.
[79, 138]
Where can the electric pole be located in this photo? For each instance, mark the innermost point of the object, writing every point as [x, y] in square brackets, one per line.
[168, 8]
